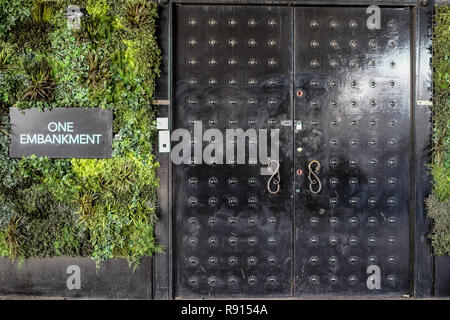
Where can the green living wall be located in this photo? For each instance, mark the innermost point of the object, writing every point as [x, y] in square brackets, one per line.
[438, 203]
[77, 207]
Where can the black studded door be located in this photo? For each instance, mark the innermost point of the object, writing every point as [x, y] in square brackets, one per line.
[233, 70]
[338, 94]
[352, 108]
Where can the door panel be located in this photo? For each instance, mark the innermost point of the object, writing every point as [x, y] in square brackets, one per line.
[355, 115]
[338, 93]
[233, 69]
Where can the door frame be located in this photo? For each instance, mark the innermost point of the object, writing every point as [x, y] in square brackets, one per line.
[422, 268]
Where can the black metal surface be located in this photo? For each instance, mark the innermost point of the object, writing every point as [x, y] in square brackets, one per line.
[355, 111]
[246, 250]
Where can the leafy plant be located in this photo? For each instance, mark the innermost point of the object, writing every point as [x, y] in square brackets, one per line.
[41, 84]
[137, 15]
[438, 204]
[100, 208]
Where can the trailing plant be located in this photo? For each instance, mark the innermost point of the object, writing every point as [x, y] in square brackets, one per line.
[101, 208]
[438, 203]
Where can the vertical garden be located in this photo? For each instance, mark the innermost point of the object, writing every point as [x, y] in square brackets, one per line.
[438, 204]
[101, 208]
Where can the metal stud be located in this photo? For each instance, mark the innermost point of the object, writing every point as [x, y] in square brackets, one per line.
[333, 260]
[232, 261]
[212, 241]
[372, 260]
[252, 201]
[372, 181]
[353, 240]
[333, 280]
[272, 280]
[334, 44]
[252, 261]
[392, 240]
[334, 240]
[372, 201]
[314, 44]
[314, 221]
[373, 43]
[212, 42]
[232, 241]
[272, 241]
[232, 22]
[334, 162]
[371, 241]
[354, 64]
[212, 261]
[315, 63]
[252, 241]
[192, 42]
[252, 23]
[193, 201]
[193, 220]
[272, 260]
[353, 260]
[192, 22]
[314, 240]
[334, 181]
[252, 43]
[313, 260]
[272, 23]
[353, 24]
[232, 280]
[232, 202]
[333, 201]
[252, 280]
[272, 62]
[353, 201]
[272, 220]
[212, 221]
[333, 24]
[333, 221]
[271, 43]
[372, 221]
[314, 280]
[353, 44]
[193, 281]
[252, 62]
[193, 61]
[193, 261]
[193, 241]
[212, 281]
[391, 259]
[334, 63]
[353, 280]
[314, 24]
[391, 279]
[392, 180]
[212, 22]
[353, 221]
[212, 62]
[232, 42]
[232, 220]
[252, 221]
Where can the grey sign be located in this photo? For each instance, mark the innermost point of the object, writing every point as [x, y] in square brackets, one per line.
[61, 133]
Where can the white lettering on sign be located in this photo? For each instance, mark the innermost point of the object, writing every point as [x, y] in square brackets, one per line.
[60, 138]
